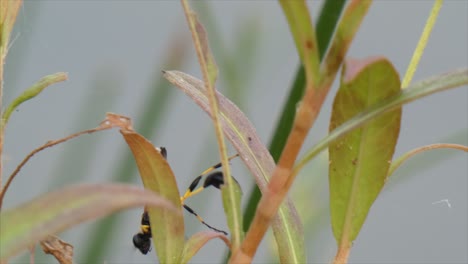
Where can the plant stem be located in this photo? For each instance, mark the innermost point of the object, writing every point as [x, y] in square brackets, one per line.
[8, 13]
[317, 88]
[111, 121]
[342, 255]
[422, 43]
[397, 162]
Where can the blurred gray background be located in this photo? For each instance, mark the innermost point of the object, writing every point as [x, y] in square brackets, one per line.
[114, 52]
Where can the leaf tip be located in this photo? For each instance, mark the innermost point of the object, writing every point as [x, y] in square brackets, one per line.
[115, 120]
[354, 66]
[64, 75]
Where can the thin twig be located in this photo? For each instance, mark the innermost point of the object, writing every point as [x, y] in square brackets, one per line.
[111, 121]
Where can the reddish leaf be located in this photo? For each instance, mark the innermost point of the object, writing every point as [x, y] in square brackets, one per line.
[198, 240]
[60, 210]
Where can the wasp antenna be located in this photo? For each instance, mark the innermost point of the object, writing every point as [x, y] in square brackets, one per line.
[190, 210]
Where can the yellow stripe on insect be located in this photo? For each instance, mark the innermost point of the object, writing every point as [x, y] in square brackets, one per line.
[142, 240]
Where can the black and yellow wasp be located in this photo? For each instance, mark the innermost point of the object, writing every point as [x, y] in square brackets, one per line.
[142, 240]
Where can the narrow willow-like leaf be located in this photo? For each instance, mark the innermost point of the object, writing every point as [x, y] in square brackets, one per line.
[207, 62]
[359, 161]
[303, 32]
[439, 83]
[197, 241]
[60, 210]
[242, 135]
[157, 176]
[32, 92]
[231, 197]
[232, 206]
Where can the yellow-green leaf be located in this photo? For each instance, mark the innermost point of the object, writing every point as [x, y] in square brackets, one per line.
[157, 176]
[360, 160]
[32, 92]
[442, 82]
[303, 32]
[232, 207]
[57, 211]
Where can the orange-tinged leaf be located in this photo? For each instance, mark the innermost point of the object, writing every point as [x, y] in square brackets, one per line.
[243, 136]
[360, 160]
[60, 210]
[157, 176]
[198, 240]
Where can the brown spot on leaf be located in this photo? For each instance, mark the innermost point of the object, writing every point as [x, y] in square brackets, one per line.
[309, 44]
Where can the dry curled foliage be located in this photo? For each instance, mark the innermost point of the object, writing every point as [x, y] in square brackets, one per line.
[61, 250]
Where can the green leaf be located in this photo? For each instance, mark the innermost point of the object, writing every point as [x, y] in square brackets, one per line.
[327, 20]
[60, 210]
[300, 24]
[157, 176]
[197, 241]
[439, 83]
[359, 161]
[32, 92]
[232, 208]
[242, 135]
